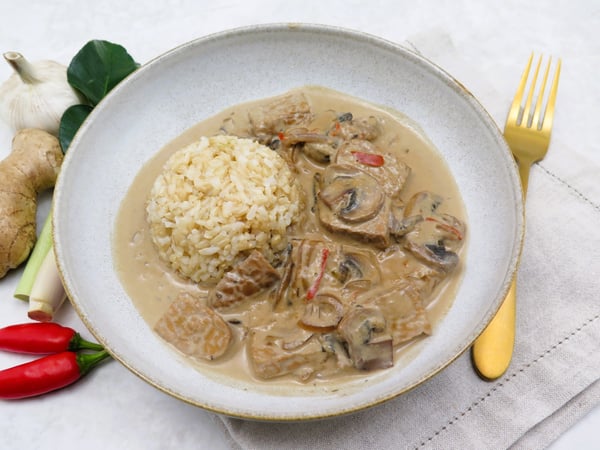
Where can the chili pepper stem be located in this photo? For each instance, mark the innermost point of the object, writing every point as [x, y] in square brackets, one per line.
[87, 361]
[78, 343]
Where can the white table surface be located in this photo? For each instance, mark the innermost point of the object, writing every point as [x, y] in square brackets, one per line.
[112, 408]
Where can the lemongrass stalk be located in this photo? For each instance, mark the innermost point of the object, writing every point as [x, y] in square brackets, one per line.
[47, 292]
[39, 252]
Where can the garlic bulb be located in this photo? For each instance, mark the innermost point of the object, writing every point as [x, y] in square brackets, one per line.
[36, 95]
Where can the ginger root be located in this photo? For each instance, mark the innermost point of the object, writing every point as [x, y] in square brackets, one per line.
[31, 167]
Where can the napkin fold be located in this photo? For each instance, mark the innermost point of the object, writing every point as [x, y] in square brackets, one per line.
[554, 376]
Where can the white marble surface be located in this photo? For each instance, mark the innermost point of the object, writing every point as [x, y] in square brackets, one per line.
[112, 408]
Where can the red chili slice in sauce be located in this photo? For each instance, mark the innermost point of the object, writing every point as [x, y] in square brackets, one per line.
[312, 291]
[369, 159]
[445, 226]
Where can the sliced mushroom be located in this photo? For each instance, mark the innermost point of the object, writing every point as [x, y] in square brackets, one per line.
[332, 344]
[356, 264]
[322, 314]
[317, 146]
[377, 354]
[448, 227]
[400, 227]
[374, 231]
[434, 254]
[435, 237]
[350, 269]
[422, 203]
[370, 348]
[288, 267]
[345, 117]
[359, 325]
[295, 340]
[194, 328]
[351, 194]
[336, 194]
[316, 185]
[350, 201]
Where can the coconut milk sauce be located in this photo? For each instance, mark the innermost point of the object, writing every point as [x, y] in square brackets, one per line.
[152, 286]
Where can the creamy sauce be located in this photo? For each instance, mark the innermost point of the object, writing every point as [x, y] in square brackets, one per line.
[152, 286]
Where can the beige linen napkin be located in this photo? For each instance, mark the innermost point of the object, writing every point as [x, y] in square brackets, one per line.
[553, 379]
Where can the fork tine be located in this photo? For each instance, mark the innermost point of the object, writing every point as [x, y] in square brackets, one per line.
[535, 122]
[526, 111]
[549, 113]
[515, 108]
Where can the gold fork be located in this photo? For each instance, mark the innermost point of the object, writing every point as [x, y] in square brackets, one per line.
[527, 133]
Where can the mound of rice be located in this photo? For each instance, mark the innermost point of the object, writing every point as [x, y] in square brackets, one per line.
[218, 199]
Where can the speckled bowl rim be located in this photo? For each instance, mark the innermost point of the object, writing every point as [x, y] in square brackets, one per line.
[351, 37]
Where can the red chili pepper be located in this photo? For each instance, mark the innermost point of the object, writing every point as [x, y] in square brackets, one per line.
[41, 338]
[369, 159]
[336, 129]
[445, 226]
[47, 374]
[281, 136]
[312, 291]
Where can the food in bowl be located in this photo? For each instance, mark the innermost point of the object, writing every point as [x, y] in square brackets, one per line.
[309, 236]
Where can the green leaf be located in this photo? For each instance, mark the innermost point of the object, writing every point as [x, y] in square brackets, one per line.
[70, 122]
[98, 67]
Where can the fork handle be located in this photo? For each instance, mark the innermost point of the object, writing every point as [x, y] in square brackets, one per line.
[493, 349]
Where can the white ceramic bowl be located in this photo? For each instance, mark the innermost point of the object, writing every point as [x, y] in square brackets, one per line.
[178, 89]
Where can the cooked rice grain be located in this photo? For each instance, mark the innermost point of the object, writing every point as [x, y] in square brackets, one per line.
[216, 200]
